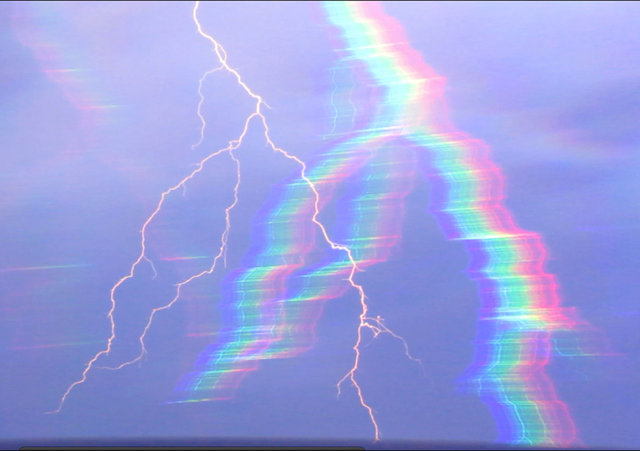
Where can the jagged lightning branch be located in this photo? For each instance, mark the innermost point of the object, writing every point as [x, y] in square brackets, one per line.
[203, 122]
[142, 256]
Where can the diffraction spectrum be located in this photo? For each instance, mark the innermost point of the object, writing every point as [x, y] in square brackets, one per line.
[391, 125]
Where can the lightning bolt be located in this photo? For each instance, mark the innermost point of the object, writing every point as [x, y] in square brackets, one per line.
[374, 324]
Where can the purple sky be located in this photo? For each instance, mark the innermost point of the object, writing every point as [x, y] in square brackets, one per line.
[552, 88]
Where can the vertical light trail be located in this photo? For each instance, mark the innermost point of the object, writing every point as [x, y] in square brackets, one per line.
[203, 122]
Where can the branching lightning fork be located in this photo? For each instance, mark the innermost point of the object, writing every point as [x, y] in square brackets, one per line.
[374, 324]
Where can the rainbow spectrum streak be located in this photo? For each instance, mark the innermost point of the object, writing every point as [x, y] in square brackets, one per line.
[520, 307]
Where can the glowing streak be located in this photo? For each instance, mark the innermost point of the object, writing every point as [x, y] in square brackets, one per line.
[54, 345]
[331, 100]
[194, 257]
[336, 112]
[45, 267]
